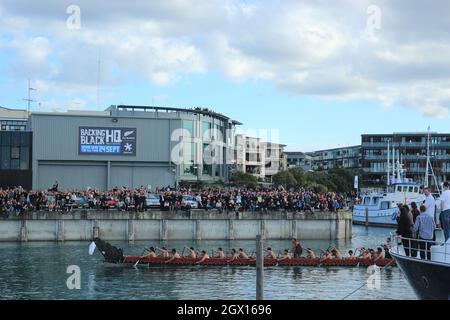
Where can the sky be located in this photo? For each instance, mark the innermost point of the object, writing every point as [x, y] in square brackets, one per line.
[318, 73]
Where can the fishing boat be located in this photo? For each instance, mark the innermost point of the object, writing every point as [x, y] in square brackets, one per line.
[113, 256]
[430, 278]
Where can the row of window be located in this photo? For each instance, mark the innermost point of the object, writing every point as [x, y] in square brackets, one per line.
[13, 125]
[17, 139]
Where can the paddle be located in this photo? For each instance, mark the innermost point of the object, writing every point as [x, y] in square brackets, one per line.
[143, 251]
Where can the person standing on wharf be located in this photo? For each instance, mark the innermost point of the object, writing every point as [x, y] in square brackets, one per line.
[445, 211]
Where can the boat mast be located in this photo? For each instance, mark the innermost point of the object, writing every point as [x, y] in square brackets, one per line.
[430, 166]
[393, 161]
[425, 181]
[387, 168]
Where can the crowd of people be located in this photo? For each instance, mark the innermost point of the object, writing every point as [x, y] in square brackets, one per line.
[295, 252]
[18, 200]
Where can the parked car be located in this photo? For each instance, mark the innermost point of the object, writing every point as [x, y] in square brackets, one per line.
[189, 200]
[111, 203]
[80, 202]
[152, 201]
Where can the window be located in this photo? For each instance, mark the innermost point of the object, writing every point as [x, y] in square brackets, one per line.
[399, 189]
[384, 205]
[15, 152]
[24, 158]
[189, 126]
[5, 158]
[411, 189]
[366, 201]
[206, 127]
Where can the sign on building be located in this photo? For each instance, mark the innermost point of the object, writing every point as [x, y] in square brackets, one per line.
[107, 141]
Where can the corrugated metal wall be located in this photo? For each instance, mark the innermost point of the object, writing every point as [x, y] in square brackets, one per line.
[55, 153]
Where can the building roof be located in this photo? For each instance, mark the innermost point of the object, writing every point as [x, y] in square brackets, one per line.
[340, 148]
[8, 113]
[198, 110]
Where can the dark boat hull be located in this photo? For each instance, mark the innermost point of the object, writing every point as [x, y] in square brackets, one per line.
[430, 280]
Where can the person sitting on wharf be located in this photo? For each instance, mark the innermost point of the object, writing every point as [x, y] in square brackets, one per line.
[234, 255]
[286, 256]
[151, 253]
[310, 254]
[191, 253]
[175, 255]
[242, 254]
[220, 253]
[204, 256]
[164, 252]
[270, 253]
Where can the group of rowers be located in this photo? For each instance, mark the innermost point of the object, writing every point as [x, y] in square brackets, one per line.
[330, 253]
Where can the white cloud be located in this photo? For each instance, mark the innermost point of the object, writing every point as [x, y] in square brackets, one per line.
[316, 47]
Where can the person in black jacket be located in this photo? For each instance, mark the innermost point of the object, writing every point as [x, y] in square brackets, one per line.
[404, 229]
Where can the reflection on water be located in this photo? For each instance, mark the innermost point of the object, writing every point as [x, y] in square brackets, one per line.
[38, 271]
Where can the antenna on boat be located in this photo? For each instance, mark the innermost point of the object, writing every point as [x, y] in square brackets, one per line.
[388, 180]
[429, 166]
[393, 161]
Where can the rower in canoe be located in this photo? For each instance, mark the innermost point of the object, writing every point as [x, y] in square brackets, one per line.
[204, 256]
[175, 255]
[286, 256]
[310, 254]
[191, 253]
[242, 254]
[164, 252]
[151, 253]
[234, 255]
[270, 253]
[220, 253]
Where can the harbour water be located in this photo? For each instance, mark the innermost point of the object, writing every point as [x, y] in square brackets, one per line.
[38, 270]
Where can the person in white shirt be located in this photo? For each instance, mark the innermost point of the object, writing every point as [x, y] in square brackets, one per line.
[429, 202]
[445, 210]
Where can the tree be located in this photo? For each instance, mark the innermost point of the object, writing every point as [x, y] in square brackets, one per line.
[285, 178]
[243, 179]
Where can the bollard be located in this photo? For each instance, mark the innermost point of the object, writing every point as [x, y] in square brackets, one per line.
[367, 217]
[259, 268]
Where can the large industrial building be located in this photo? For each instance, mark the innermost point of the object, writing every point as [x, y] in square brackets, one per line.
[123, 146]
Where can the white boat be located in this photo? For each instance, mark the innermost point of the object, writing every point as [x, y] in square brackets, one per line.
[381, 208]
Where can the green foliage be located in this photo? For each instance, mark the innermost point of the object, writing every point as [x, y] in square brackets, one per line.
[243, 179]
[285, 178]
[337, 179]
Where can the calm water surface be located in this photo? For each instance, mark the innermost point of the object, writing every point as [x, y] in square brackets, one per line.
[37, 270]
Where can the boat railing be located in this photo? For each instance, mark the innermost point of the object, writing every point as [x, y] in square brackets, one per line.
[420, 249]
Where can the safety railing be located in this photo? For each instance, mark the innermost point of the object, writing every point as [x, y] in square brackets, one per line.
[420, 249]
